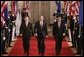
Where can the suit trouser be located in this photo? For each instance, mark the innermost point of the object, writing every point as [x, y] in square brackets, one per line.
[3, 46]
[78, 46]
[75, 40]
[10, 38]
[79, 42]
[26, 44]
[58, 44]
[72, 37]
[41, 44]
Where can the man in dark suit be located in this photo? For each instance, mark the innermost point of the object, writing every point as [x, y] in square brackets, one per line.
[77, 36]
[72, 22]
[26, 32]
[58, 32]
[40, 30]
[10, 25]
[3, 37]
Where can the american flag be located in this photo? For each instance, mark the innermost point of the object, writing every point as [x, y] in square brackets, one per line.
[14, 6]
[71, 7]
[58, 3]
[81, 13]
[4, 11]
[3, 5]
[27, 6]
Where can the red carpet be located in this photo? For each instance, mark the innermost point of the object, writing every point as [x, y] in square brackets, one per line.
[17, 50]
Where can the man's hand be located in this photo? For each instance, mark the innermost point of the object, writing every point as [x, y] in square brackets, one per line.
[73, 32]
[20, 34]
[78, 36]
[35, 34]
[63, 34]
[46, 36]
[4, 38]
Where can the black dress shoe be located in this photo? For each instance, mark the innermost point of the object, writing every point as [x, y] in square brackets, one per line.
[4, 53]
[9, 46]
[39, 52]
[57, 53]
[71, 46]
[42, 54]
[78, 53]
[27, 53]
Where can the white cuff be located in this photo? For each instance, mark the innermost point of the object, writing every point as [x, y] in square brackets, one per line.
[63, 34]
[78, 36]
[35, 34]
[4, 38]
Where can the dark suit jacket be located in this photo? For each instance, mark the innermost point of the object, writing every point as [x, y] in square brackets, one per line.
[72, 24]
[13, 18]
[9, 23]
[41, 31]
[77, 28]
[26, 31]
[64, 16]
[58, 31]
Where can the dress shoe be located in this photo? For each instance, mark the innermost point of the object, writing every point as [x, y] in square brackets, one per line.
[57, 53]
[4, 53]
[9, 46]
[42, 53]
[27, 53]
[39, 52]
[71, 46]
[78, 53]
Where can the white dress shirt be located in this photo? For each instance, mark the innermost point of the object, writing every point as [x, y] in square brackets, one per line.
[26, 23]
[41, 23]
[59, 23]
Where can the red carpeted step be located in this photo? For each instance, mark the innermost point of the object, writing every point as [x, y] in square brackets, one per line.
[17, 50]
